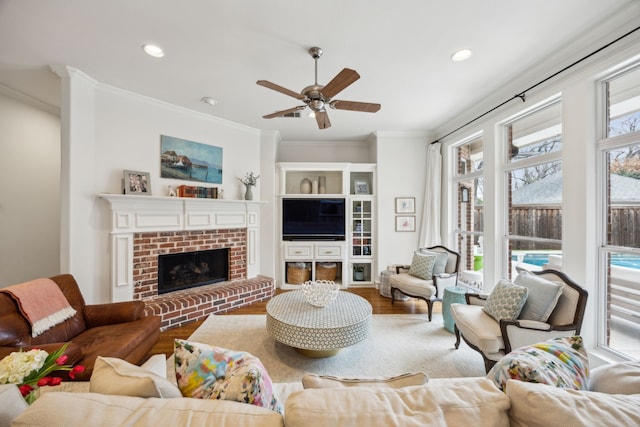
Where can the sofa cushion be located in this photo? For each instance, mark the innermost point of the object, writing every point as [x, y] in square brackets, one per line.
[208, 372]
[454, 402]
[542, 296]
[101, 410]
[116, 376]
[422, 265]
[541, 405]
[505, 300]
[325, 381]
[616, 378]
[561, 362]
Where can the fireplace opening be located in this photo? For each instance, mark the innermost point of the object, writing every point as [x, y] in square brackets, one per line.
[190, 269]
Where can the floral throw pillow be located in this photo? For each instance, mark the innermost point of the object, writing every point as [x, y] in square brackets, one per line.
[505, 300]
[208, 372]
[561, 362]
[422, 265]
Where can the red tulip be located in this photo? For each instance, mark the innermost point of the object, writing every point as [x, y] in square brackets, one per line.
[25, 389]
[75, 370]
[44, 381]
[55, 381]
[62, 360]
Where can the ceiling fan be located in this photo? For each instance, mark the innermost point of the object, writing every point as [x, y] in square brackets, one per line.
[317, 97]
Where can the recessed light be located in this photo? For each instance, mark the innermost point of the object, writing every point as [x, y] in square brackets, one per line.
[209, 100]
[153, 50]
[461, 55]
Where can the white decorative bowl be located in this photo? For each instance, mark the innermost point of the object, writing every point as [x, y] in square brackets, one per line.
[320, 293]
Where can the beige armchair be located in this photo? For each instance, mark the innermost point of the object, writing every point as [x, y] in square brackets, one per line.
[409, 283]
[493, 339]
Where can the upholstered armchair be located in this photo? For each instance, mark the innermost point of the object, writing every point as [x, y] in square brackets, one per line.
[551, 306]
[431, 270]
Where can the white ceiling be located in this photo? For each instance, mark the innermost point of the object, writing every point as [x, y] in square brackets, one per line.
[221, 48]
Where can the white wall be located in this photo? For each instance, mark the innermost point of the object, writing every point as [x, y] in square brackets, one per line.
[29, 189]
[108, 130]
[401, 172]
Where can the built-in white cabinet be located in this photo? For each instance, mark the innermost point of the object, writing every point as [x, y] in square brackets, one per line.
[344, 189]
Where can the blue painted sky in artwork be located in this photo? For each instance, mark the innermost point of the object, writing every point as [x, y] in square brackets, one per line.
[194, 150]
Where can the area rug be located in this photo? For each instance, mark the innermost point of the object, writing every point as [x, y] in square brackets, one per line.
[398, 343]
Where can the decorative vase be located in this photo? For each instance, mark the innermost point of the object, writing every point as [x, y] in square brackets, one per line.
[248, 194]
[314, 187]
[305, 186]
[322, 184]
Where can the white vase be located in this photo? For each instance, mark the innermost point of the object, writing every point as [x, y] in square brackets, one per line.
[322, 184]
[305, 186]
[314, 187]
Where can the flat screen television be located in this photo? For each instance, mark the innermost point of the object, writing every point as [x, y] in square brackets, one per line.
[313, 219]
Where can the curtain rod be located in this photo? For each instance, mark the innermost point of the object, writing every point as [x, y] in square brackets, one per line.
[522, 94]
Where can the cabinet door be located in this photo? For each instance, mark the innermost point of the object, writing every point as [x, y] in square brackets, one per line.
[361, 228]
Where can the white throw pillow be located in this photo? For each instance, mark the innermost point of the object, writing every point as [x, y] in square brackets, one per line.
[440, 264]
[616, 378]
[542, 405]
[542, 297]
[119, 377]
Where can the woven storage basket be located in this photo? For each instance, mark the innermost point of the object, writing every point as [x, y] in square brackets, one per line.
[297, 273]
[326, 271]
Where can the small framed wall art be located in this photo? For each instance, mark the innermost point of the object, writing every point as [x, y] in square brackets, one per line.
[136, 182]
[405, 205]
[405, 223]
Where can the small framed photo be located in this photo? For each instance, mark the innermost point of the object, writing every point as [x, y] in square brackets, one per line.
[136, 182]
[405, 205]
[405, 223]
[464, 194]
[361, 187]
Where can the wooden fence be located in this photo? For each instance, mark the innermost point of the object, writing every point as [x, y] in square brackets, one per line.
[546, 222]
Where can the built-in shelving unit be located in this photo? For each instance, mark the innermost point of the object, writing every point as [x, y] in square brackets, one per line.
[352, 260]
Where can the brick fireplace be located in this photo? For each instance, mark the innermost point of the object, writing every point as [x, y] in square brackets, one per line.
[145, 227]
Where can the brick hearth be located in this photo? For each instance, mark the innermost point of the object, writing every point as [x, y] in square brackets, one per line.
[177, 308]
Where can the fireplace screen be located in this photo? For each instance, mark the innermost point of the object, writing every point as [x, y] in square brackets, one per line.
[191, 269]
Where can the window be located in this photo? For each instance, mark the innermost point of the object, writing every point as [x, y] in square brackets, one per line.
[468, 183]
[619, 286]
[533, 178]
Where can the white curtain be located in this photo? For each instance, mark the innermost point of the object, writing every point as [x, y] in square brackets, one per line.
[430, 224]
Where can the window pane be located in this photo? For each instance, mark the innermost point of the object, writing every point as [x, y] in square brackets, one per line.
[536, 201]
[624, 197]
[534, 256]
[623, 308]
[469, 157]
[536, 134]
[624, 104]
[470, 249]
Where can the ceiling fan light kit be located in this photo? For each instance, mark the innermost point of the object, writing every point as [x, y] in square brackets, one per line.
[318, 97]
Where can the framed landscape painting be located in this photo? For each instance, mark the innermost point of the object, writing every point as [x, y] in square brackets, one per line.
[191, 161]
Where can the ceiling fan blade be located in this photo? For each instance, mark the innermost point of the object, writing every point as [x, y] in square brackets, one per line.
[340, 82]
[366, 107]
[322, 118]
[284, 112]
[280, 89]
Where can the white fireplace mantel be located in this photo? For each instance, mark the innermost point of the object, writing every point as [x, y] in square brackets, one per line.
[138, 214]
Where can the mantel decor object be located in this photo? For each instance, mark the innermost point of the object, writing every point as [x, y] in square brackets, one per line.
[136, 182]
[320, 293]
[249, 180]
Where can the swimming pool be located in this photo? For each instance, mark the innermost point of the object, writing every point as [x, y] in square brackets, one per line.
[620, 260]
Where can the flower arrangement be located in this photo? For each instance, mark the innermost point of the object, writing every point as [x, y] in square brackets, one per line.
[30, 370]
[249, 179]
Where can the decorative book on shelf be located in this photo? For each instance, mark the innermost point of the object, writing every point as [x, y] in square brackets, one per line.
[197, 192]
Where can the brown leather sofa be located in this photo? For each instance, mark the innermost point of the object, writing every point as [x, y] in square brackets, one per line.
[119, 329]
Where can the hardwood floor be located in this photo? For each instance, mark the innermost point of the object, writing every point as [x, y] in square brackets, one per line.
[380, 305]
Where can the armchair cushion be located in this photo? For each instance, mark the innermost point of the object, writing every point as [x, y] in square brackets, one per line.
[478, 327]
[440, 263]
[422, 265]
[561, 362]
[542, 296]
[506, 300]
[413, 285]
